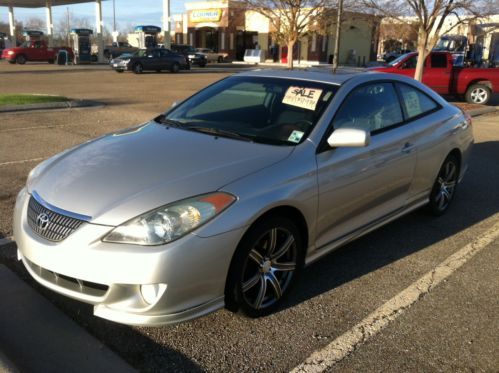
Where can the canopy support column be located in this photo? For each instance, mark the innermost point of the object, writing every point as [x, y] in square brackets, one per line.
[50, 25]
[12, 26]
[166, 24]
[99, 26]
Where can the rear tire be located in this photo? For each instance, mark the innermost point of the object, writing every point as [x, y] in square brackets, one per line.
[202, 64]
[220, 59]
[175, 68]
[444, 188]
[478, 94]
[21, 59]
[265, 264]
[138, 68]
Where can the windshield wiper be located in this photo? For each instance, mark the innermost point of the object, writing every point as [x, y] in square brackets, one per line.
[220, 132]
[169, 122]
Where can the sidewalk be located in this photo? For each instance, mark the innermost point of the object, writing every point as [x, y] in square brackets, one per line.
[35, 336]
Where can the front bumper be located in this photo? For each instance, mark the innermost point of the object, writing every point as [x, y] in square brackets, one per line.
[192, 271]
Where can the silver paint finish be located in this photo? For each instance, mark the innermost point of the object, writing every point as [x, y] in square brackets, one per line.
[341, 193]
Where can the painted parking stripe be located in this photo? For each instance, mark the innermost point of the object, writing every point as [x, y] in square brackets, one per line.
[345, 344]
[22, 161]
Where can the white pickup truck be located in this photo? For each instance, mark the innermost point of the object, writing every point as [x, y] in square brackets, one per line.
[211, 55]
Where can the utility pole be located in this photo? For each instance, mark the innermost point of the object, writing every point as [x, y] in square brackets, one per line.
[336, 53]
[69, 27]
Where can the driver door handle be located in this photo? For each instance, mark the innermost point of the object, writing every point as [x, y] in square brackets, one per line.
[408, 148]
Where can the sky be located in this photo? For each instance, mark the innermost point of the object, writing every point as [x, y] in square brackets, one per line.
[143, 12]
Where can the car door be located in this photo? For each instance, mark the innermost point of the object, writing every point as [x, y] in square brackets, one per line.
[437, 73]
[358, 186]
[166, 59]
[408, 67]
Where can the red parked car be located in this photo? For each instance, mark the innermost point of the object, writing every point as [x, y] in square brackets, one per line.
[34, 51]
[476, 84]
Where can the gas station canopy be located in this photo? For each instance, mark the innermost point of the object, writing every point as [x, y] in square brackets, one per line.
[39, 3]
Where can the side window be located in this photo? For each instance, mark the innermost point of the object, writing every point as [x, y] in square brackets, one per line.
[415, 102]
[165, 53]
[370, 107]
[411, 62]
[439, 60]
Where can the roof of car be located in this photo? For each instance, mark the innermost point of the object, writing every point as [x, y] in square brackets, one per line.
[324, 76]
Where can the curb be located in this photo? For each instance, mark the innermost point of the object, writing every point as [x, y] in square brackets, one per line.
[481, 111]
[51, 105]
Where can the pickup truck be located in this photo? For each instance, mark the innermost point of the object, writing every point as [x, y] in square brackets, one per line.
[476, 84]
[117, 49]
[34, 51]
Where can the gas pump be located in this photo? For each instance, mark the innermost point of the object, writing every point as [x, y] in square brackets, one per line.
[147, 36]
[81, 45]
[32, 35]
[3, 39]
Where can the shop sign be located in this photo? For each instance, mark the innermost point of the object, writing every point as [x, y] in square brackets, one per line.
[206, 15]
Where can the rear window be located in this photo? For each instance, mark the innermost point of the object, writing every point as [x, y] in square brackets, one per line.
[415, 102]
[438, 60]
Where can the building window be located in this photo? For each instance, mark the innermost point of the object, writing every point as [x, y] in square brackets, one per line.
[324, 39]
[222, 40]
[191, 38]
[314, 42]
[231, 41]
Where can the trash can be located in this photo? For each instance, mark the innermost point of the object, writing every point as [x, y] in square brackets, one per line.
[62, 57]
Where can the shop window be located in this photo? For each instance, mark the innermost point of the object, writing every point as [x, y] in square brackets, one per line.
[191, 38]
[314, 42]
[324, 40]
[231, 41]
[222, 40]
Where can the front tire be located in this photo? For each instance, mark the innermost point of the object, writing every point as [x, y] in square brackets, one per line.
[220, 59]
[444, 188]
[478, 94]
[265, 264]
[175, 68]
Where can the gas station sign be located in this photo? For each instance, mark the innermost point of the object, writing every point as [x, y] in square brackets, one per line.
[205, 15]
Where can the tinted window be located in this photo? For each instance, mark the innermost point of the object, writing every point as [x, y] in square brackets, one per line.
[370, 107]
[439, 60]
[416, 102]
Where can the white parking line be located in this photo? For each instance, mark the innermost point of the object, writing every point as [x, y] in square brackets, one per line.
[33, 127]
[345, 344]
[22, 161]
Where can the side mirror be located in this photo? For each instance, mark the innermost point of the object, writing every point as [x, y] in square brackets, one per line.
[349, 137]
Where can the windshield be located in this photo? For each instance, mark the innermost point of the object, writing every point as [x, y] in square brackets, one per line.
[397, 60]
[266, 110]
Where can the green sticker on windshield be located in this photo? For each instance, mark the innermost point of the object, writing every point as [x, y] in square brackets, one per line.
[295, 136]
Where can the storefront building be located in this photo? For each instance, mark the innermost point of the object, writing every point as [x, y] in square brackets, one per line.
[226, 26]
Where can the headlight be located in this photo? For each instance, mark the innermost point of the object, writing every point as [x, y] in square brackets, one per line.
[170, 222]
[124, 62]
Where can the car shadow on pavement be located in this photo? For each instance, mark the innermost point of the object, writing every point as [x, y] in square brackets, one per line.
[476, 200]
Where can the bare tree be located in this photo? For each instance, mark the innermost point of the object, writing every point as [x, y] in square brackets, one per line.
[430, 18]
[35, 23]
[289, 18]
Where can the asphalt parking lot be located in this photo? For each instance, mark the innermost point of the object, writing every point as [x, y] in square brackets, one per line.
[450, 327]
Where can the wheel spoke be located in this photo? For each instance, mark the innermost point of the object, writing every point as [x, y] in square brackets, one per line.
[441, 203]
[271, 242]
[251, 282]
[275, 285]
[284, 267]
[261, 292]
[256, 256]
[284, 248]
[446, 194]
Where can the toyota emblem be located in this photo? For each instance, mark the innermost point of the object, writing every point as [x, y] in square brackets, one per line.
[42, 221]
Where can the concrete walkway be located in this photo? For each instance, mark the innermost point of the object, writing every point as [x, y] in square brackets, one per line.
[35, 336]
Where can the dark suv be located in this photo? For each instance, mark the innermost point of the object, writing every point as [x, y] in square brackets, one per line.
[151, 60]
[190, 52]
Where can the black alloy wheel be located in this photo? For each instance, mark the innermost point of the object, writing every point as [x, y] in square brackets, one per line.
[265, 264]
[138, 68]
[445, 186]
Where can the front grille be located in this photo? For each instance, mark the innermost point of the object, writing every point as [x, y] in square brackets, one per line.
[54, 227]
[66, 282]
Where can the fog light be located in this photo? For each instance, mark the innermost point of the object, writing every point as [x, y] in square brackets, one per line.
[151, 293]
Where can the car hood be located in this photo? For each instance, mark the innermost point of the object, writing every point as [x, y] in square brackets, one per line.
[122, 175]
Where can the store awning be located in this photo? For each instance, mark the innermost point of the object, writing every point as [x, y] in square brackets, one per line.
[39, 3]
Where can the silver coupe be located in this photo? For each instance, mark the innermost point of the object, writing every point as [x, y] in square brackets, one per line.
[223, 199]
